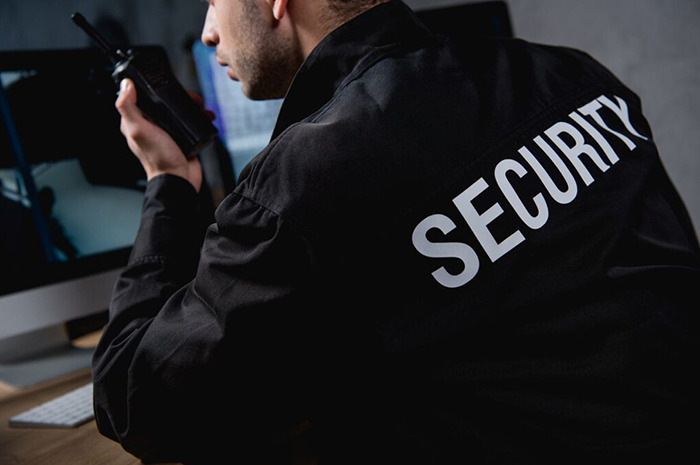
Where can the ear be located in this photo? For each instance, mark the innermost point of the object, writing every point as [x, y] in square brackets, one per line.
[279, 7]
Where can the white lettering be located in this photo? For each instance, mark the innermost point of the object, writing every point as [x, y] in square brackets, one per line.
[574, 152]
[455, 250]
[479, 223]
[607, 148]
[591, 109]
[501, 171]
[561, 197]
[622, 112]
[571, 143]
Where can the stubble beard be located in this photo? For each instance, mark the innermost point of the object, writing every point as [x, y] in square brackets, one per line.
[267, 68]
[269, 74]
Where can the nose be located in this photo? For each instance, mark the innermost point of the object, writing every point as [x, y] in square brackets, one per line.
[210, 36]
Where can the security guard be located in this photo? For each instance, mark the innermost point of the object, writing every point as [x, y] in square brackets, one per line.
[445, 255]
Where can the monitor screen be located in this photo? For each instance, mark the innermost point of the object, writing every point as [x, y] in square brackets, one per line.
[71, 194]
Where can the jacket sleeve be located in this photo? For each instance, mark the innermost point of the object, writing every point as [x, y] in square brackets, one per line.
[203, 353]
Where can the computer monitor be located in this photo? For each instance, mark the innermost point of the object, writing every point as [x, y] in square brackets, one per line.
[245, 126]
[71, 194]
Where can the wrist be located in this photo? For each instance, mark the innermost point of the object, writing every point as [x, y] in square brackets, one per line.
[190, 173]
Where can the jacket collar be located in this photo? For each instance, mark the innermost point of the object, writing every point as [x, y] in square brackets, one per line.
[344, 54]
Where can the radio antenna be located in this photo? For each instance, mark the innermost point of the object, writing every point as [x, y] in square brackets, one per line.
[110, 50]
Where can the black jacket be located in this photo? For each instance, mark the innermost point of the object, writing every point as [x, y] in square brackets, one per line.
[445, 255]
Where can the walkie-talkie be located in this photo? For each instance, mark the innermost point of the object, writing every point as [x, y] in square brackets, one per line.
[161, 98]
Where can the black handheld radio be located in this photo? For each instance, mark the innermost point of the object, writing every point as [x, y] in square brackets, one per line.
[161, 98]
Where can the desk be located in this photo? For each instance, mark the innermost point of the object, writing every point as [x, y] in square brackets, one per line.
[53, 446]
[38, 446]
[84, 444]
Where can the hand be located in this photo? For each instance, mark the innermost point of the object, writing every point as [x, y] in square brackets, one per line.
[155, 149]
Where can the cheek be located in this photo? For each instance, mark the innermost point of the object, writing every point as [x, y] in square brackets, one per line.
[228, 28]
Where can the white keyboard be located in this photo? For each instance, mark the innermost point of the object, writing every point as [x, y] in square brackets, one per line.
[66, 411]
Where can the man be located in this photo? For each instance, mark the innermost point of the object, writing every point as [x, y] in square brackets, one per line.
[444, 255]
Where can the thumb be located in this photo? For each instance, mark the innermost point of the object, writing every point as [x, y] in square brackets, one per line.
[126, 102]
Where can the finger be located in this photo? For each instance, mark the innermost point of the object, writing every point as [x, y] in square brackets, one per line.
[196, 97]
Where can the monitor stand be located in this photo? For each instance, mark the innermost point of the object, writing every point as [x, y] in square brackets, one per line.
[40, 356]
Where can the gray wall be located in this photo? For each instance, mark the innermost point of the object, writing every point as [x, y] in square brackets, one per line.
[652, 45]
